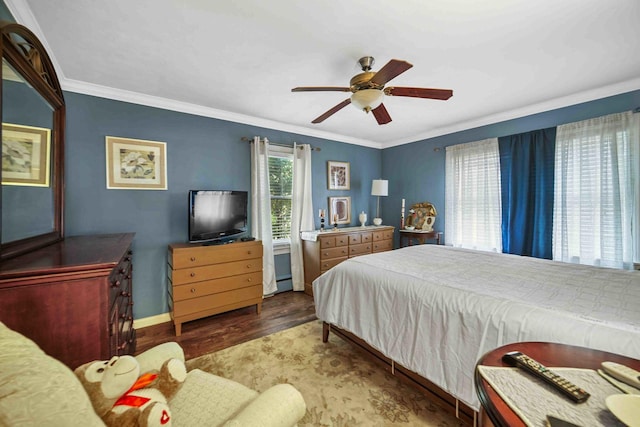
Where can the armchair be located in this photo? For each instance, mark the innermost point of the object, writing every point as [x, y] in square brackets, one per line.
[36, 389]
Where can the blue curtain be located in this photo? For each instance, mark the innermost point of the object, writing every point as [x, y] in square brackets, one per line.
[526, 168]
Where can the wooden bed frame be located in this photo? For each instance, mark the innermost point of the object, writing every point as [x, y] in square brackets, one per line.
[432, 391]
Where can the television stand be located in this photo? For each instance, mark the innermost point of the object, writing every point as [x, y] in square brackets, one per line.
[218, 242]
[207, 280]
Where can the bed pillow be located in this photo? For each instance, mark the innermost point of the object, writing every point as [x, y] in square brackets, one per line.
[38, 390]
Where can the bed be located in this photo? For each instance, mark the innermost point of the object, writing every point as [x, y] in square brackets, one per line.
[434, 310]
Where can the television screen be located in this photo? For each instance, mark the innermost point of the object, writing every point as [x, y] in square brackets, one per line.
[215, 215]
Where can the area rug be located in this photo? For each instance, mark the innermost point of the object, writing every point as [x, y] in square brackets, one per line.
[340, 386]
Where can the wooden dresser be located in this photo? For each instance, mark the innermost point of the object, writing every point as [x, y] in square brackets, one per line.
[207, 280]
[323, 250]
[73, 298]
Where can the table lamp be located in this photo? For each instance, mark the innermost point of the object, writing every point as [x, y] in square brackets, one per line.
[379, 187]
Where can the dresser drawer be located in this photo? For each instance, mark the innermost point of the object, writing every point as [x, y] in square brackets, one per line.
[120, 277]
[383, 245]
[328, 264]
[213, 301]
[206, 255]
[340, 251]
[361, 249]
[215, 271]
[208, 287]
[357, 238]
[382, 235]
[333, 241]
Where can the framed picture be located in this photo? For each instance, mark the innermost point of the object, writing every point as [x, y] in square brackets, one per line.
[25, 155]
[135, 164]
[338, 175]
[339, 210]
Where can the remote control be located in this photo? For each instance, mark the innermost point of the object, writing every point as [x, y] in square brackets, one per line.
[521, 360]
[623, 373]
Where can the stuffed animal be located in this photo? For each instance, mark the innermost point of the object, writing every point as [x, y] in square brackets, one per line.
[122, 396]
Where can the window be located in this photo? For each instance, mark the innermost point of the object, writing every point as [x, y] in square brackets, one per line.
[596, 204]
[280, 189]
[472, 196]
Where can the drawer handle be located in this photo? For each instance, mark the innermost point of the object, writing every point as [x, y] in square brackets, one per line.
[193, 290]
[326, 254]
[325, 265]
[193, 259]
[248, 252]
[248, 265]
[249, 279]
[192, 274]
[116, 284]
[125, 294]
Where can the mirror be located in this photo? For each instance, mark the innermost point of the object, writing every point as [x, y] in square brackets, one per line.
[32, 145]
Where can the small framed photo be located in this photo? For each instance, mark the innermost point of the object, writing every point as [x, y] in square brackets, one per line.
[340, 210]
[338, 175]
[135, 164]
[26, 152]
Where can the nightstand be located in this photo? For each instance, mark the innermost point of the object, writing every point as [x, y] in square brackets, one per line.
[421, 236]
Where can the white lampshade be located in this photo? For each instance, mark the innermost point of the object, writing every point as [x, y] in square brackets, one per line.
[380, 187]
[367, 99]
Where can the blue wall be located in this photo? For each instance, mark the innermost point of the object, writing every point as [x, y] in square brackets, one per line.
[416, 171]
[201, 153]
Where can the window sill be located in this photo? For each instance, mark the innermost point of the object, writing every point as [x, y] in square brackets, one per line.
[281, 247]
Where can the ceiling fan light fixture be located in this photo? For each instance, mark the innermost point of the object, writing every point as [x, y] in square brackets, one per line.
[367, 99]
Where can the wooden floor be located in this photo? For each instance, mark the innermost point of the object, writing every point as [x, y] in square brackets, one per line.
[281, 311]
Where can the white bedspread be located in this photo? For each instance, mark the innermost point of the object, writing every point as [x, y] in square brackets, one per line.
[436, 309]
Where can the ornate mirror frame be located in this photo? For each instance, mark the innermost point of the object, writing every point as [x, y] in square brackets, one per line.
[22, 50]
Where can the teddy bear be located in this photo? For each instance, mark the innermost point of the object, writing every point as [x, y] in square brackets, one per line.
[123, 396]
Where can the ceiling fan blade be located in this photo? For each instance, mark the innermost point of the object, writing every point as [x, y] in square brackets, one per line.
[392, 69]
[381, 114]
[419, 92]
[332, 111]
[320, 89]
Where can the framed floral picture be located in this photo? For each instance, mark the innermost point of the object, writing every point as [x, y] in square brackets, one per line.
[338, 175]
[25, 155]
[340, 210]
[135, 164]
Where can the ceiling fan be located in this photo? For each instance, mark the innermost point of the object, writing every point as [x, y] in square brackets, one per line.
[368, 90]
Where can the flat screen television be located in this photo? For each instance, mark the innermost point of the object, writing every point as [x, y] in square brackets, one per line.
[216, 216]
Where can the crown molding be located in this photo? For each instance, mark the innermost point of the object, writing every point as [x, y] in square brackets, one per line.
[184, 107]
[553, 104]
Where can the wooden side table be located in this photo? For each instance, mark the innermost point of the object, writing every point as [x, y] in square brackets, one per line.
[496, 412]
[421, 236]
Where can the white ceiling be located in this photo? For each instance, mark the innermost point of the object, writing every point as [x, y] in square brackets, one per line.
[238, 60]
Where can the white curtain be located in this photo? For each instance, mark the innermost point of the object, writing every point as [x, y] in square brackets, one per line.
[473, 212]
[596, 194]
[301, 210]
[261, 211]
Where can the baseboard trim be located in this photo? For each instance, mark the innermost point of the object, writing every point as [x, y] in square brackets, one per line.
[151, 320]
